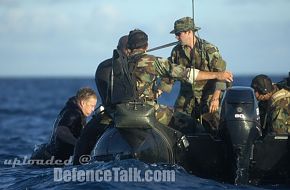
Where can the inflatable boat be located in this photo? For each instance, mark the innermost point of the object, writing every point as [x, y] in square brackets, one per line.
[240, 152]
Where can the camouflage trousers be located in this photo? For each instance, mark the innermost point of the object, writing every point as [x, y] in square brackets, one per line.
[280, 112]
[197, 119]
[207, 122]
[163, 114]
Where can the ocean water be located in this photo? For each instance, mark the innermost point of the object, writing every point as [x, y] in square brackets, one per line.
[28, 107]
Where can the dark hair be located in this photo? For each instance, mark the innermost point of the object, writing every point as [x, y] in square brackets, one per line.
[137, 39]
[262, 84]
[122, 42]
[85, 93]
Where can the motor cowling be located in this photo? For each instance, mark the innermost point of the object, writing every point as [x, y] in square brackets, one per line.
[240, 115]
[239, 128]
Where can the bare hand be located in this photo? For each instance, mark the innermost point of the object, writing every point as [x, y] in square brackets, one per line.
[214, 105]
[226, 75]
[158, 93]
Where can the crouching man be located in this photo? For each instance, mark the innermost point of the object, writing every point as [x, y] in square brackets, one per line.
[67, 128]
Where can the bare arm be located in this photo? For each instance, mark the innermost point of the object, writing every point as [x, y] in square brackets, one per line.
[165, 69]
[195, 74]
[214, 102]
[226, 76]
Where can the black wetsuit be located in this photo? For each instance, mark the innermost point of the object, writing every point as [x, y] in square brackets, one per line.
[103, 80]
[94, 129]
[90, 135]
[100, 121]
[67, 129]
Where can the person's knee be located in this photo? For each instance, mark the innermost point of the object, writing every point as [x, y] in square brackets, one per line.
[164, 114]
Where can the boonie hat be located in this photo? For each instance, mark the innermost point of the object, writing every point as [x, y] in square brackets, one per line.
[184, 24]
[262, 84]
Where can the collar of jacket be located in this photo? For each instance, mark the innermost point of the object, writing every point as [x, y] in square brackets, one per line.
[137, 52]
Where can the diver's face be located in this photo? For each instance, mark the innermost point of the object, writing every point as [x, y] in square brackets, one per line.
[88, 106]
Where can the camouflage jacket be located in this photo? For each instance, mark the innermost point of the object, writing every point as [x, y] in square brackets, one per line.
[280, 111]
[206, 57]
[148, 69]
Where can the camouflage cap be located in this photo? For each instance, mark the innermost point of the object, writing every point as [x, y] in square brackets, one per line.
[262, 84]
[184, 24]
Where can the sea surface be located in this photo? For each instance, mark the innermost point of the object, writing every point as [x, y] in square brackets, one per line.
[28, 108]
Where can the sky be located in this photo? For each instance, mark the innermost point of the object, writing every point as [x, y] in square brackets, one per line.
[41, 38]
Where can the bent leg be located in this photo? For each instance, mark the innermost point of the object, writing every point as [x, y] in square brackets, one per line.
[163, 114]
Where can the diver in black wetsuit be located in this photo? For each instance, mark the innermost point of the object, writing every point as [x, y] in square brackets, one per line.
[68, 126]
[101, 119]
[103, 73]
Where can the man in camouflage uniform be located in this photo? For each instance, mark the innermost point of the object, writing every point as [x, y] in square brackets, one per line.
[204, 96]
[149, 68]
[274, 104]
[145, 69]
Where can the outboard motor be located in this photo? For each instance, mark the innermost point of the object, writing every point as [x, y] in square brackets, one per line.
[138, 135]
[239, 128]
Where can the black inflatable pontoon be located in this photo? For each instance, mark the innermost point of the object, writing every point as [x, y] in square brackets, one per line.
[239, 153]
